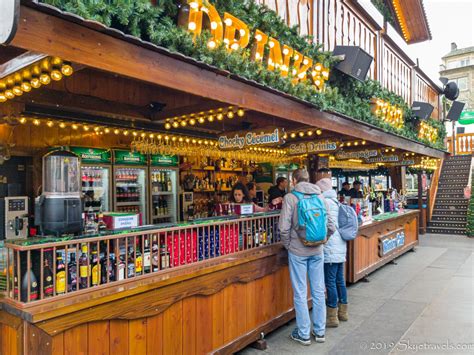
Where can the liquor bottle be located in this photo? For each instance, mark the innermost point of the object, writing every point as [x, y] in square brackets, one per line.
[83, 268]
[60, 276]
[146, 257]
[32, 286]
[96, 269]
[165, 257]
[48, 286]
[131, 263]
[101, 226]
[138, 260]
[72, 274]
[170, 185]
[156, 257]
[121, 269]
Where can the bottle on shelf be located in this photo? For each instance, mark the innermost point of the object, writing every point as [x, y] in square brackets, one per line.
[72, 274]
[60, 276]
[96, 269]
[32, 286]
[138, 259]
[155, 249]
[131, 263]
[146, 257]
[48, 284]
[165, 257]
[83, 267]
[121, 269]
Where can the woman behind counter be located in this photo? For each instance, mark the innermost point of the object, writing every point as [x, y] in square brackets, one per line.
[240, 194]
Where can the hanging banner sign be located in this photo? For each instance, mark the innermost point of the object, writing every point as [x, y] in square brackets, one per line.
[164, 160]
[404, 163]
[312, 147]
[249, 140]
[384, 159]
[9, 15]
[365, 154]
[129, 158]
[92, 155]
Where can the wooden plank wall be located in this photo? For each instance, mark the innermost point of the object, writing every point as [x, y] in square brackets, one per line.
[194, 325]
[9, 340]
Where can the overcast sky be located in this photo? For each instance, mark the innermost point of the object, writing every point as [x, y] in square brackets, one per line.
[450, 21]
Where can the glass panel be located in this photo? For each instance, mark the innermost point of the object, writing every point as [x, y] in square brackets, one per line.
[61, 174]
[95, 187]
[130, 191]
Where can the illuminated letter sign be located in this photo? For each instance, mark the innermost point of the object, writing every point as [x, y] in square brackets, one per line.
[9, 14]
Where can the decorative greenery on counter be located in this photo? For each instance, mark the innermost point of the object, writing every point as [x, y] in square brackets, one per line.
[158, 24]
[381, 5]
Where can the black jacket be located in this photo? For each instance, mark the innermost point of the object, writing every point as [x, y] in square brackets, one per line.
[274, 192]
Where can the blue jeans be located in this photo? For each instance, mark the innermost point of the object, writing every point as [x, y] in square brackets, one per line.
[301, 269]
[335, 284]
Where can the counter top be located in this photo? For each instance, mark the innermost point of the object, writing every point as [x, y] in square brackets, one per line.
[380, 219]
[38, 240]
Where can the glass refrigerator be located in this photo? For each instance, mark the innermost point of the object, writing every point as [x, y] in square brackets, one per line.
[130, 183]
[96, 166]
[164, 188]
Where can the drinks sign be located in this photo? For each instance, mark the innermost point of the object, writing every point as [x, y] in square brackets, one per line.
[391, 242]
[312, 147]
[9, 14]
[366, 154]
[127, 157]
[235, 34]
[164, 160]
[384, 159]
[93, 156]
[248, 140]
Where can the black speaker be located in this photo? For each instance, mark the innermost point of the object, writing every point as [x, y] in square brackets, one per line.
[356, 61]
[422, 110]
[455, 111]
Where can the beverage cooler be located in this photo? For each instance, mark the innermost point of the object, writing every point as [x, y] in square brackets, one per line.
[96, 171]
[130, 183]
[164, 189]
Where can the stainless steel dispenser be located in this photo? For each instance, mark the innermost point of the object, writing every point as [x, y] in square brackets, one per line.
[59, 208]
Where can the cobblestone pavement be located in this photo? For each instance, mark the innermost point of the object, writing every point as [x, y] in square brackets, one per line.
[423, 304]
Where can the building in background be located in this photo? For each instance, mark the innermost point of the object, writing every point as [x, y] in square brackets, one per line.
[458, 66]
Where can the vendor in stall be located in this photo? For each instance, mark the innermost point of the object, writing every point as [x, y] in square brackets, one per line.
[345, 191]
[240, 194]
[252, 187]
[277, 192]
[356, 192]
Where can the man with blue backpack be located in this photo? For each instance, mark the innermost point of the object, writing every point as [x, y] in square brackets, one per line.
[305, 225]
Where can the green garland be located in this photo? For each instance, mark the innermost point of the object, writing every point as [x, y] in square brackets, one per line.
[470, 213]
[157, 24]
[381, 5]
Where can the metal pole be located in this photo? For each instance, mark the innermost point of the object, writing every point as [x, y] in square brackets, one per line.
[454, 137]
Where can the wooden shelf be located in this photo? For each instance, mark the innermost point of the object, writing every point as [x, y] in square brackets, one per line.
[162, 193]
[121, 204]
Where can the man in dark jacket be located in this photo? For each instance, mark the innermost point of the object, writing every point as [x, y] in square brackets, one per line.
[305, 262]
[277, 192]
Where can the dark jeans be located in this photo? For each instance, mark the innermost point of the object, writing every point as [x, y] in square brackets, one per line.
[335, 284]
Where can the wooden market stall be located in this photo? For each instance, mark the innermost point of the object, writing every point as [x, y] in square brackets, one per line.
[219, 282]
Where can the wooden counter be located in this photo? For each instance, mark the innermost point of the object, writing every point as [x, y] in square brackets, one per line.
[366, 253]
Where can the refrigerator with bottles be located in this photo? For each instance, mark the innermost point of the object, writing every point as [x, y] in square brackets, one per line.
[164, 187]
[131, 183]
[96, 168]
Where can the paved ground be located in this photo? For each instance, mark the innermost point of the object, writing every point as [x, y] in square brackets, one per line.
[424, 304]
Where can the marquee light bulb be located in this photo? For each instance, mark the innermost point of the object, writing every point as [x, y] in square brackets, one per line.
[26, 86]
[220, 116]
[56, 75]
[213, 25]
[35, 83]
[230, 114]
[167, 125]
[211, 44]
[240, 112]
[50, 124]
[45, 79]
[74, 126]
[9, 94]
[67, 70]
[228, 22]
[192, 121]
[192, 26]
[17, 91]
[62, 125]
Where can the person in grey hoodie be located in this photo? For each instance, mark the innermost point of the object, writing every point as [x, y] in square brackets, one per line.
[334, 258]
[304, 263]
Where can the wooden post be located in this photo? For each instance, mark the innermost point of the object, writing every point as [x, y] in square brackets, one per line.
[420, 204]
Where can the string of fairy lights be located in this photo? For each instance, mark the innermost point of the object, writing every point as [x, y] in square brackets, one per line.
[152, 142]
[204, 116]
[34, 76]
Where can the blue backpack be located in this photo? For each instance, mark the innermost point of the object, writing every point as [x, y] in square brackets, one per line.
[312, 221]
[348, 222]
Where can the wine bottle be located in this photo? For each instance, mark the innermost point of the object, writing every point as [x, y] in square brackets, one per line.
[48, 287]
[146, 257]
[72, 274]
[32, 286]
[83, 268]
[96, 269]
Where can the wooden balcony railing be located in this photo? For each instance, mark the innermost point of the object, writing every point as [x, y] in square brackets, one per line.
[464, 144]
[348, 22]
[40, 271]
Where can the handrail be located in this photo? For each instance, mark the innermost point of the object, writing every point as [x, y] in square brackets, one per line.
[434, 189]
[38, 273]
[464, 143]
